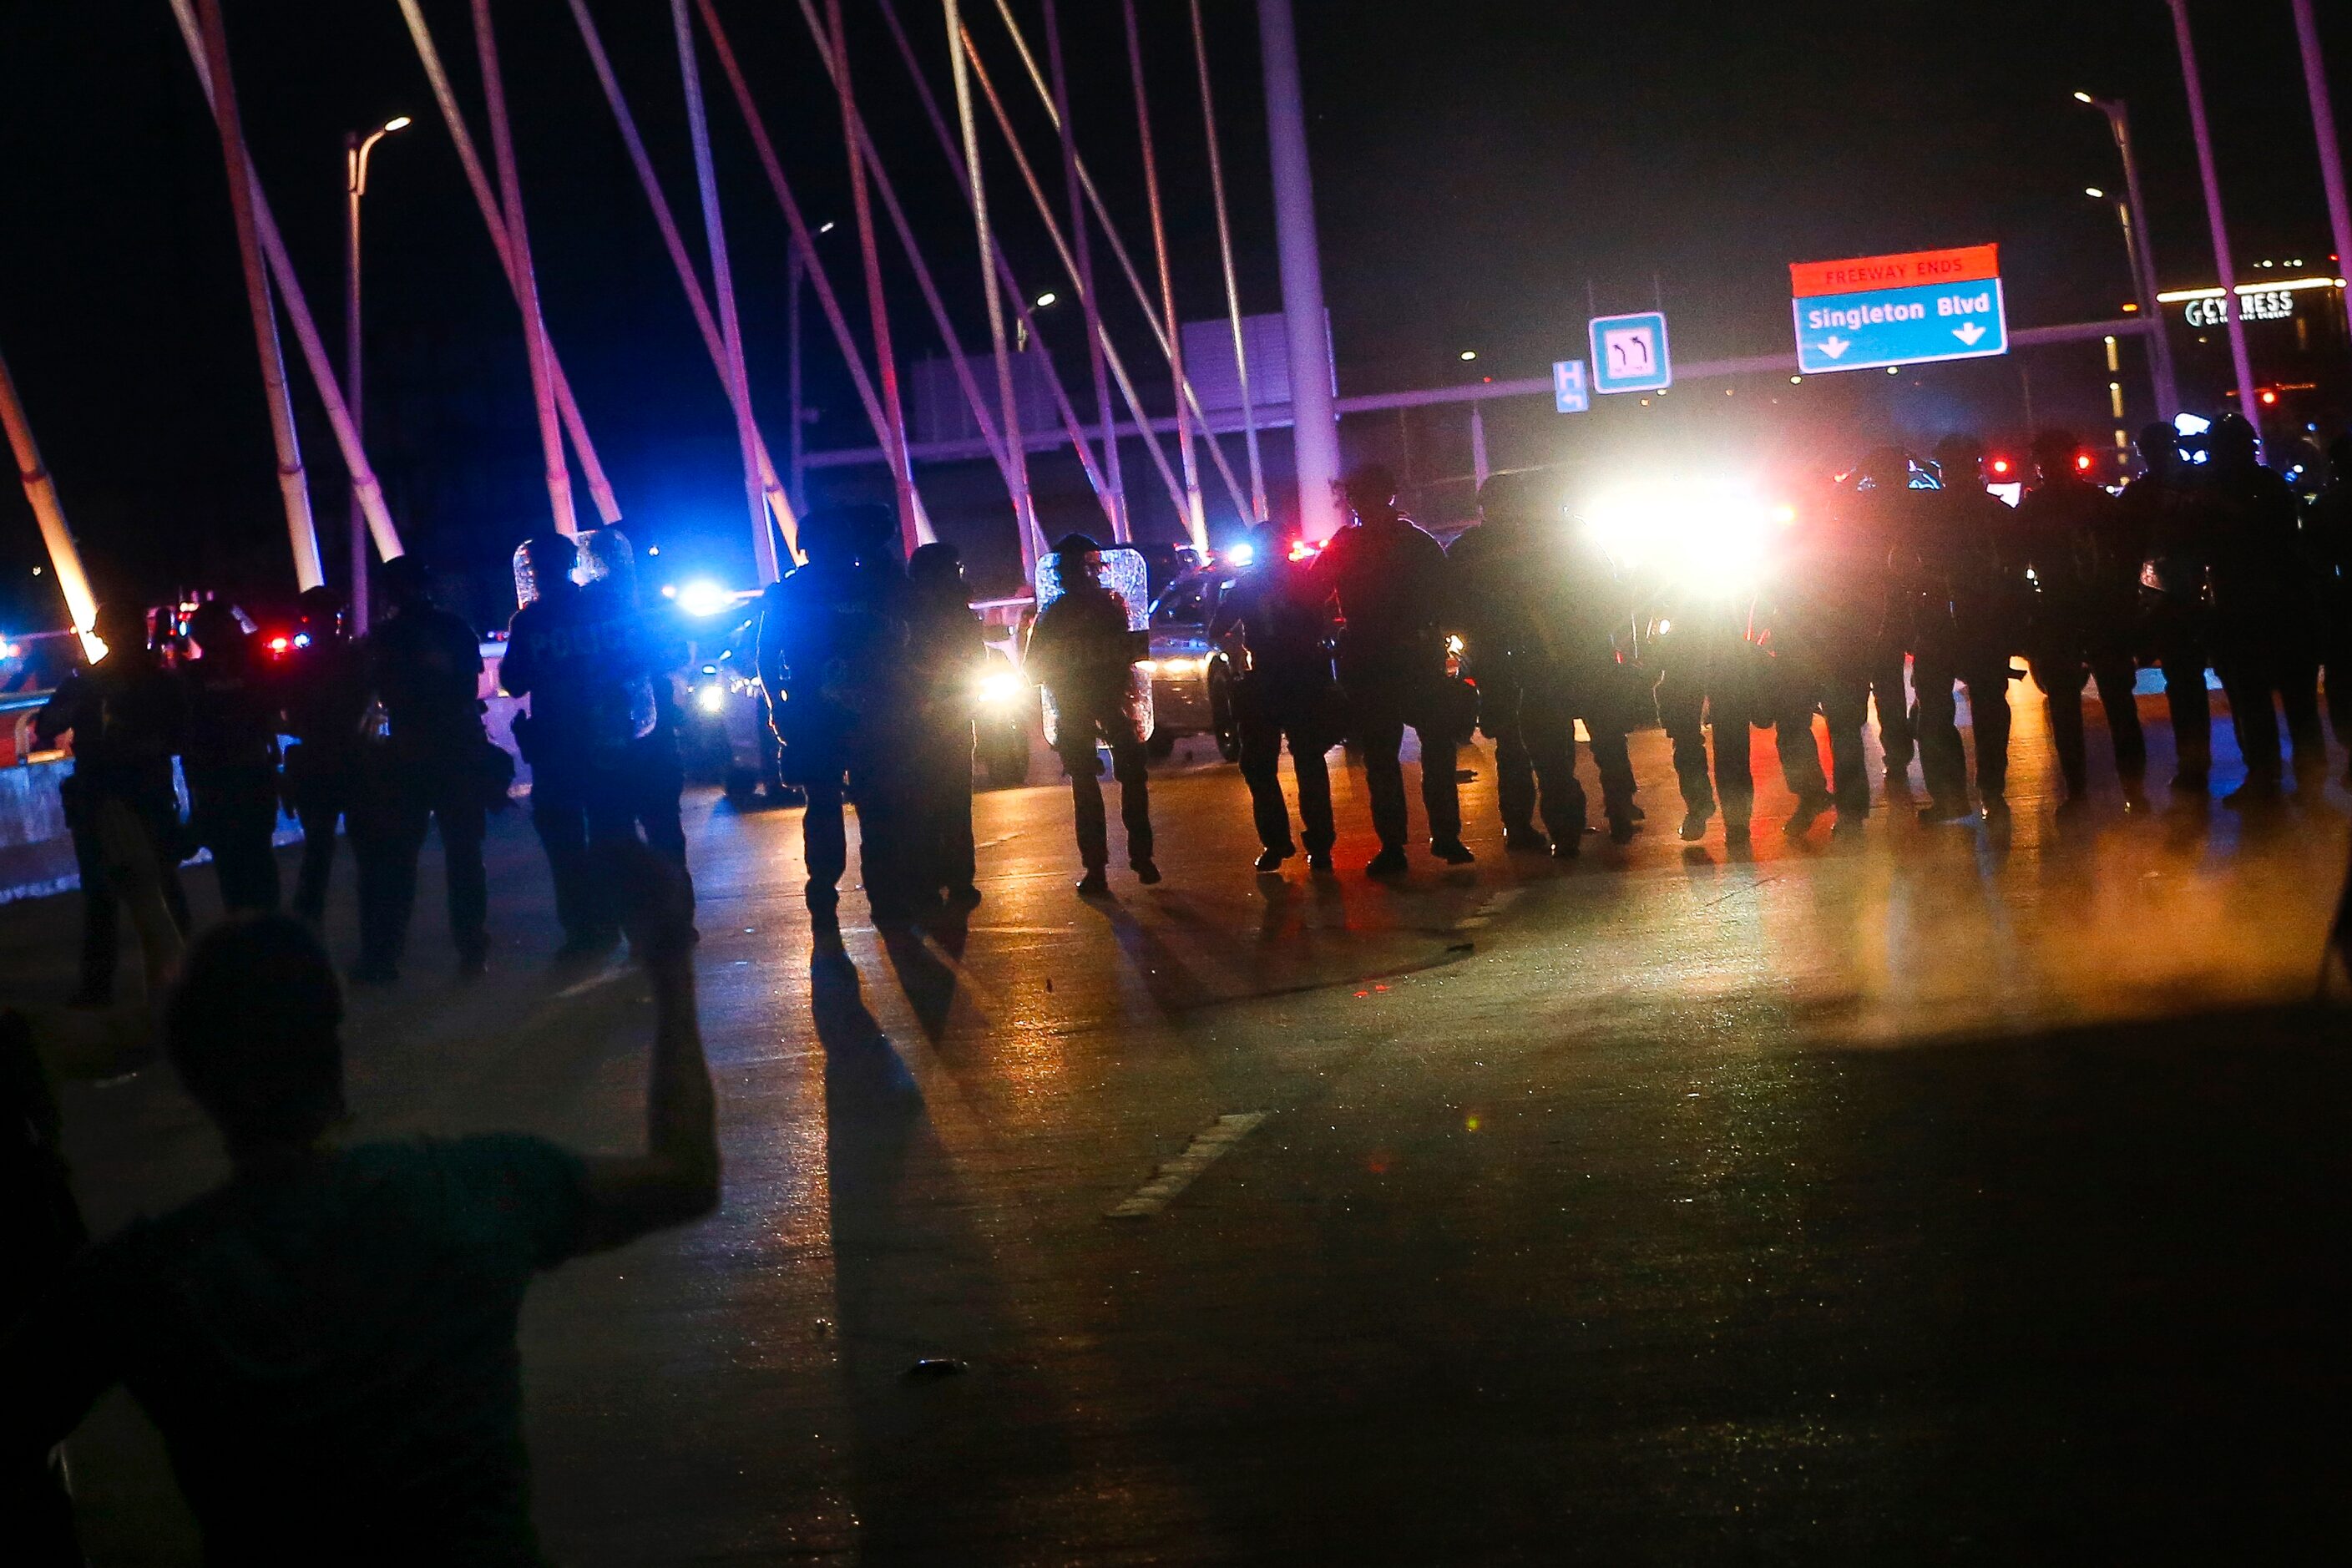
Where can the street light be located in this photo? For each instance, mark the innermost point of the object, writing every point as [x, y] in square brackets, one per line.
[356, 148]
[2138, 254]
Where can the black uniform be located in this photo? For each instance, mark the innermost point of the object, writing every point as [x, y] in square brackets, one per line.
[2171, 520]
[1283, 692]
[1712, 666]
[1081, 651]
[572, 663]
[2328, 535]
[945, 656]
[2265, 641]
[325, 697]
[2086, 568]
[1394, 593]
[1541, 606]
[126, 715]
[832, 650]
[1828, 630]
[1964, 591]
[230, 760]
[424, 665]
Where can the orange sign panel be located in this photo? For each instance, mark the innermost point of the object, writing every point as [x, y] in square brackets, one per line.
[1870, 273]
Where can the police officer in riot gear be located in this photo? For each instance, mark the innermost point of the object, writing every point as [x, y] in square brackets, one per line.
[2169, 518]
[427, 770]
[1283, 691]
[126, 716]
[833, 648]
[230, 757]
[323, 695]
[558, 658]
[1082, 652]
[1395, 598]
[1546, 605]
[946, 655]
[1964, 594]
[2086, 574]
[641, 648]
[2328, 531]
[2265, 644]
[1832, 629]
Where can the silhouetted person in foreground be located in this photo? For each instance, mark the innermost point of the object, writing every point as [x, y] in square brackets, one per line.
[230, 758]
[126, 717]
[41, 1226]
[327, 1340]
[1082, 651]
[424, 665]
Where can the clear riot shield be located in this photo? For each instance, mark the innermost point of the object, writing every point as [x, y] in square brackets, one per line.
[526, 574]
[1125, 575]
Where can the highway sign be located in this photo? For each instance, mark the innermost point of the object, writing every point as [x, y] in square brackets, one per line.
[1629, 353]
[1567, 394]
[1912, 309]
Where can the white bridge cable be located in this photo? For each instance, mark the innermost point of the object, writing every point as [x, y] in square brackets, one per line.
[723, 283]
[469, 158]
[1163, 331]
[49, 512]
[804, 243]
[878, 304]
[1105, 491]
[1030, 545]
[1069, 263]
[888, 189]
[306, 333]
[1088, 303]
[1225, 254]
[1196, 522]
[779, 504]
[534, 325]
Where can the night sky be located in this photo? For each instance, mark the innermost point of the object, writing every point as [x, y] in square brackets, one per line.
[1483, 168]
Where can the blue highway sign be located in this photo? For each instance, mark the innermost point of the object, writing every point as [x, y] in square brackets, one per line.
[1914, 309]
[1629, 353]
[1567, 394]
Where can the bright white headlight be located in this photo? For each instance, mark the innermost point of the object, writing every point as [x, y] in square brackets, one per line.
[711, 698]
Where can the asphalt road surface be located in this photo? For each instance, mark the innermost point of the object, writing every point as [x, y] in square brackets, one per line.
[1939, 1196]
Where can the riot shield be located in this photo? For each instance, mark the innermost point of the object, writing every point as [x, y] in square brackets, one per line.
[1125, 575]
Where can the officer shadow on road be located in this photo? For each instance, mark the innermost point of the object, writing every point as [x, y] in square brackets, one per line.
[933, 1352]
[929, 984]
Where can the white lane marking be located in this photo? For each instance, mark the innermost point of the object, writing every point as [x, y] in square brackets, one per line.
[1206, 1149]
[1493, 905]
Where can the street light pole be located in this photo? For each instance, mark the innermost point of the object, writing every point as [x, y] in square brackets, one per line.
[2134, 213]
[2231, 316]
[356, 149]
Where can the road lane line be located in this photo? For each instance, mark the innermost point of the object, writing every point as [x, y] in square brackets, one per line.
[1208, 1146]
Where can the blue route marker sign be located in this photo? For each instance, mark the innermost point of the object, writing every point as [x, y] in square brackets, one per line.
[1913, 308]
[1568, 390]
[1629, 353]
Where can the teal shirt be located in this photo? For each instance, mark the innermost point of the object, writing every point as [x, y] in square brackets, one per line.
[329, 1352]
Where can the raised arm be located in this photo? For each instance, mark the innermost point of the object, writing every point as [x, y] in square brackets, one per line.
[677, 1178]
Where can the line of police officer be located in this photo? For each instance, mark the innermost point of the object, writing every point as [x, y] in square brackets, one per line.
[388, 739]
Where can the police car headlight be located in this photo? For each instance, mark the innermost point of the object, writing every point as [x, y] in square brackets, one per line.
[711, 698]
[997, 689]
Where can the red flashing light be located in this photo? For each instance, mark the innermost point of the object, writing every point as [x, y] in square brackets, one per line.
[280, 643]
[2082, 462]
[2001, 464]
[2269, 397]
[1300, 549]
